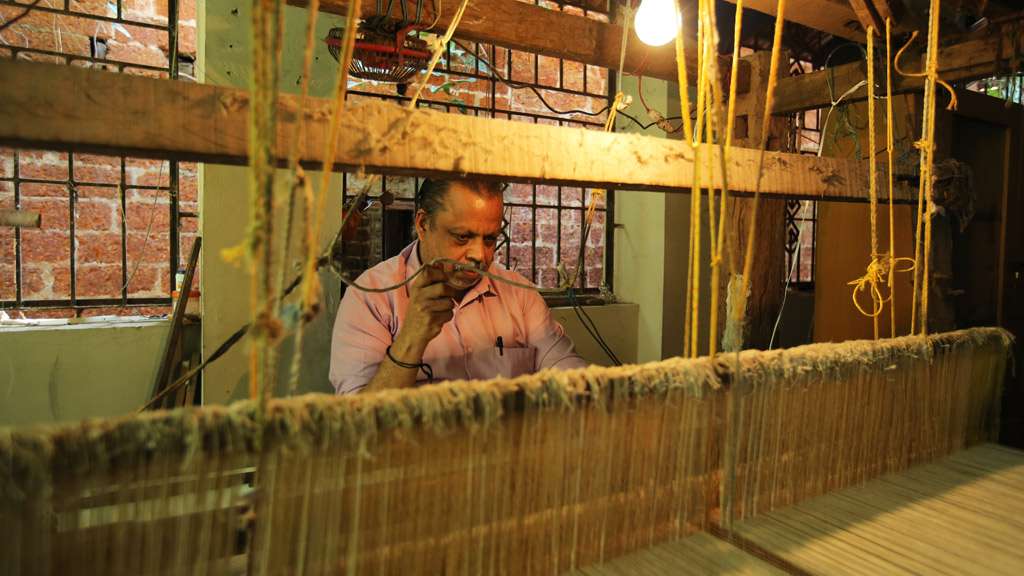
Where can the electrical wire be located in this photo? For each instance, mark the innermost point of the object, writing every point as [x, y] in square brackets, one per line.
[521, 86]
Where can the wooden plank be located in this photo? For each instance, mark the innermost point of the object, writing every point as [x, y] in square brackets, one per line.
[523, 26]
[832, 16]
[867, 15]
[19, 218]
[969, 60]
[69, 108]
[172, 347]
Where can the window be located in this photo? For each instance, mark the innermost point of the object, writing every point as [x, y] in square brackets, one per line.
[543, 222]
[802, 215]
[114, 229]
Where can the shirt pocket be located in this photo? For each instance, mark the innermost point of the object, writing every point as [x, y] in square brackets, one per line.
[513, 361]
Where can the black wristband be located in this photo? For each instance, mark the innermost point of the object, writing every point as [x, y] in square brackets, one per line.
[427, 370]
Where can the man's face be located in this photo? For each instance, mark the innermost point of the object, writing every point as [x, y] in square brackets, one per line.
[466, 230]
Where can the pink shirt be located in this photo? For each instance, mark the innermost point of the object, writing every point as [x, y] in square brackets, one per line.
[466, 348]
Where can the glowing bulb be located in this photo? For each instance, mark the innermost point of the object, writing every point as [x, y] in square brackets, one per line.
[657, 22]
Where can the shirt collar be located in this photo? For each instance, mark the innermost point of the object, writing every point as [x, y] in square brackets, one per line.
[412, 263]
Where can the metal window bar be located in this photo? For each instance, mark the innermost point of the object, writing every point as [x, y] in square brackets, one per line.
[72, 183]
[490, 75]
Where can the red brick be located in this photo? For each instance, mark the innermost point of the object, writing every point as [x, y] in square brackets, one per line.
[38, 190]
[573, 73]
[8, 291]
[108, 311]
[572, 196]
[45, 246]
[55, 212]
[519, 193]
[146, 212]
[148, 281]
[547, 195]
[142, 279]
[7, 247]
[189, 226]
[545, 256]
[6, 163]
[96, 7]
[97, 248]
[140, 172]
[151, 11]
[47, 313]
[98, 281]
[521, 259]
[97, 215]
[151, 250]
[133, 53]
[522, 66]
[597, 80]
[43, 165]
[149, 311]
[43, 58]
[548, 278]
[90, 168]
[547, 70]
[46, 282]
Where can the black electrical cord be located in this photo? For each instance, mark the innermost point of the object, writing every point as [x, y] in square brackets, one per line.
[520, 86]
[581, 313]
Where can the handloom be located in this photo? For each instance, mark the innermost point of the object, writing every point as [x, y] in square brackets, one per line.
[543, 474]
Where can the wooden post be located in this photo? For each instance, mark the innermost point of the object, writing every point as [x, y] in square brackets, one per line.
[768, 276]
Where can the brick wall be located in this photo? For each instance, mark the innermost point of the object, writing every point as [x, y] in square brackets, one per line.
[85, 189]
[89, 185]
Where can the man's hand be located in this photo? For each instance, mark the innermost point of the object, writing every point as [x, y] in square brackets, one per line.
[431, 305]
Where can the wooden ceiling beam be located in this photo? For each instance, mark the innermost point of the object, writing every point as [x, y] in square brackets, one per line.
[833, 16]
[867, 14]
[527, 27]
[69, 108]
[968, 60]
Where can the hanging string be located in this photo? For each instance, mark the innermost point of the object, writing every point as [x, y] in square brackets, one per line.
[890, 146]
[684, 82]
[300, 184]
[739, 311]
[691, 322]
[722, 241]
[310, 280]
[267, 23]
[876, 269]
[926, 145]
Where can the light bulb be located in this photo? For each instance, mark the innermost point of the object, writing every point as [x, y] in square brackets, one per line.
[657, 22]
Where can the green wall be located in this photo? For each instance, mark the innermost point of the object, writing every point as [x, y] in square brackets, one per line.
[91, 370]
[225, 60]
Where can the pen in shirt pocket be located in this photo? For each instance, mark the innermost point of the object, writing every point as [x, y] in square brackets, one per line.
[501, 346]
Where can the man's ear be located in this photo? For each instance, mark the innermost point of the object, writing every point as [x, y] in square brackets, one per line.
[421, 221]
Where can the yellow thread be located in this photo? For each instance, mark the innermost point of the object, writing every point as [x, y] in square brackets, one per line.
[739, 311]
[723, 144]
[891, 173]
[684, 85]
[873, 182]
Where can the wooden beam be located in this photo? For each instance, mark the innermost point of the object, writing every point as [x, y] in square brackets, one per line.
[832, 16]
[19, 218]
[69, 108]
[969, 60]
[866, 14]
[521, 26]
